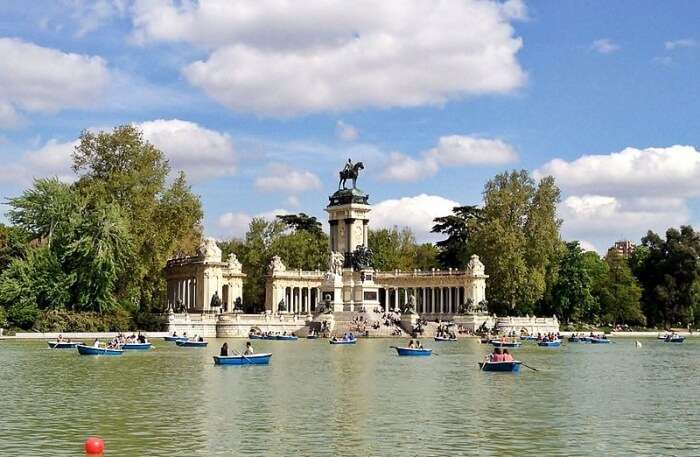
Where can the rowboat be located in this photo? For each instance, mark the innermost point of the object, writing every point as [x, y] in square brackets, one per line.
[311, 337]
[549, 344]
[414, 352]
[513, 366]
[254, 359]
[599, 340]
[286, 338]
[442, 338]
[343, 341]
[253, 336]
[575, 339]
[136, 346]
[663, 337]
[91, 350]
[192, 344]
[528, 338]
[175, 338]
[485, 340]
[506, 344]
[674, 339]
[64, 344]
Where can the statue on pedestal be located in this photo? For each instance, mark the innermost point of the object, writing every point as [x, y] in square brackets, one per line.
[335, 263]
[350, 171]
[362, 258]
[215, 300]
[233, 264]
[276, 265]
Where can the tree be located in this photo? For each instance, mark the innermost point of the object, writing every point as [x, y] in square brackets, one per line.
[669, 273]
[455, 251]
[518, 239]
[302, 222]
[571, 293]
[120, 167]
[13, 242]
[620, 296]
[394, 249]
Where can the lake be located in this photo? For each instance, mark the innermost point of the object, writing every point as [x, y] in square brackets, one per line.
[361, 400]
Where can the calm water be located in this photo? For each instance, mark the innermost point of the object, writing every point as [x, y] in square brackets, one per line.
[318, 399]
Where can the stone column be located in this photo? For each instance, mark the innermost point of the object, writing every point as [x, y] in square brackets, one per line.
[450, 310]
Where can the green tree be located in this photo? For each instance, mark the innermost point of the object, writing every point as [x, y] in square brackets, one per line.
[455, 250]
[13, 242]
[571, 293]
[302, 222]
[620, 297]
[120, 167]
[518, 239]
[393, 249]
[669, 273]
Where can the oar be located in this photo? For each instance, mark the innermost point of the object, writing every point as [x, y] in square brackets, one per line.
[528, 366]
[243, 355]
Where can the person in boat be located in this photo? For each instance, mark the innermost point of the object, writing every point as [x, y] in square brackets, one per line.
[200, 339]
[411, 345]
[351, 336]
[96, 343]
[224, 350]
[419, 345]
[174, 333]
[507, 357]
[59, 339]
[248, 349]
[497, 355]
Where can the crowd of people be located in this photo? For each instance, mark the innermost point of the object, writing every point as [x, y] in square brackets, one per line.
[121, 339]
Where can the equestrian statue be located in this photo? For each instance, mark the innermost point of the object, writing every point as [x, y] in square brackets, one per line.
[350, 172]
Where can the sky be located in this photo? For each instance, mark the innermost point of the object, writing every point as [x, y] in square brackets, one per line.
[261, 102]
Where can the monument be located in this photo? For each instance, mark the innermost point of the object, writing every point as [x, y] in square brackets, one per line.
[348, 285]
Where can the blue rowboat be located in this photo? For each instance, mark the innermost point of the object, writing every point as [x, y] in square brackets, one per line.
[599, 341]
[192, 344]
[64, 344]
[91, 350]
[506, 344]
[175, 338]
[549, 344]
[253, 336]
[414, 352]
[286, 338]
[442, 338]
[344, 341]
[528, 338]
[136, 346]
[578, 339]
[255, 359]
[311, 337]
[674, 339]
[512, 367]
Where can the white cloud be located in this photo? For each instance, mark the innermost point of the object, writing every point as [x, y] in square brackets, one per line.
[451, 151]
[415, 212]
[39, 79]
[9, 118]
[605, 46]
[683, 43]
[672, 171]
[281, 177]
[200, 152]
[236, 224]
[346, 132]
[90, 15]
[587, 246]
[288, 58]
[602, 219]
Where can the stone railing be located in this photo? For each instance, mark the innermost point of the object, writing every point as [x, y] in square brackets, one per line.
[420, 273]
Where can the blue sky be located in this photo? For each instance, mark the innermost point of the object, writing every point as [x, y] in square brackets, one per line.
[434, 97]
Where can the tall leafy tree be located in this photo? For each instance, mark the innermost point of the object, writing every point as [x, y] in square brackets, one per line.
[455, 250]
[302, 222]
[620, 295]
[516, 214]
[571, 295]
[393, 249]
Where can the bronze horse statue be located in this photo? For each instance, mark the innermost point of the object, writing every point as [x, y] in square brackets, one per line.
[350, 174]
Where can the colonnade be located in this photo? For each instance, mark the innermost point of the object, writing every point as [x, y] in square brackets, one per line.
[183, 290]
[301, 300]
[427, 300]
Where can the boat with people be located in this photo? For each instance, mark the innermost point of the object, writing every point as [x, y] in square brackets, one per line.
[286, 337]
[95, 350]
[346, 339]
[255, 336]
[311, 337]
[674, 338]
[406, 351]
[64, 344]
[549, 343]
[664, 336]
[510, 366]
[575, 339]
[506, 344]
[528, 337]
[598, 340]
[253, 359]
[136, 346]
[175, 337]
[192, 343]
[445, 338]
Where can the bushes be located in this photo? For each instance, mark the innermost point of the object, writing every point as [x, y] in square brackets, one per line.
[67, 321]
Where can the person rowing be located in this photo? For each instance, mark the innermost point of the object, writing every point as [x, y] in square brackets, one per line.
[224, 350]
[497, 356]
[248, 349]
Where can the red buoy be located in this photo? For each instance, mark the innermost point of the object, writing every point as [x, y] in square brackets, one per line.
[94, 445]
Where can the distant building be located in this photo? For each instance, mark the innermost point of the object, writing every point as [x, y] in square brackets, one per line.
[623, 248]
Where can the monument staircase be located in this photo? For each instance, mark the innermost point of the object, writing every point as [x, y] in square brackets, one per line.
[346, 322]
